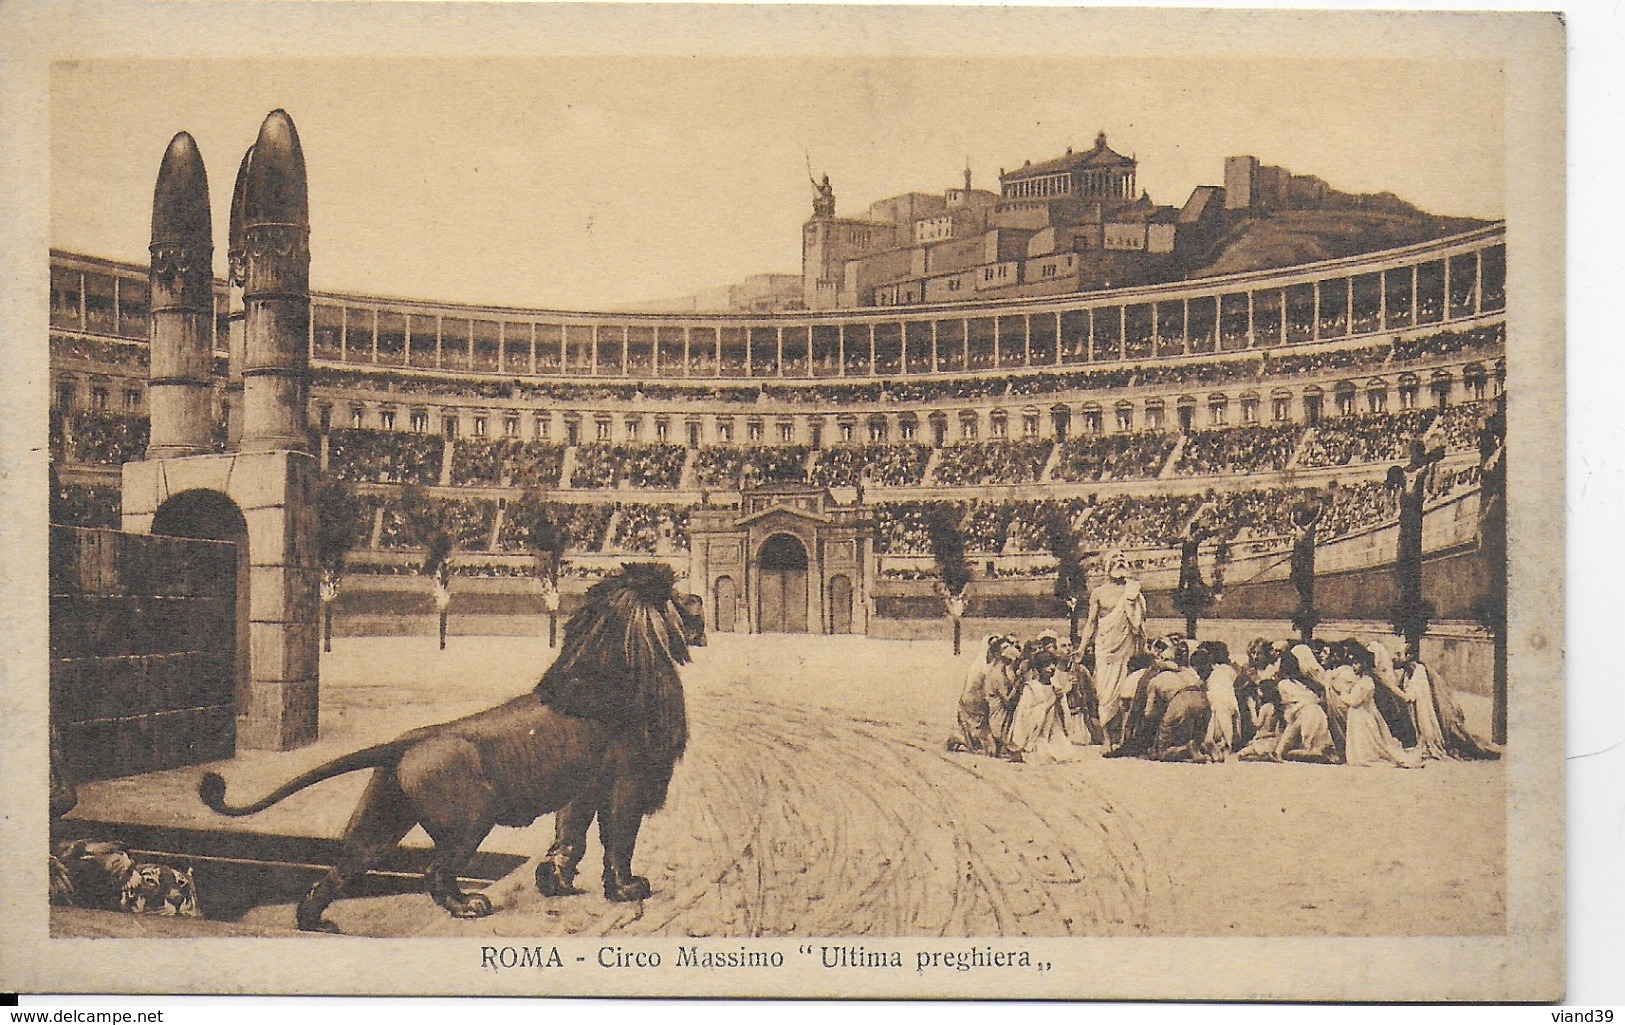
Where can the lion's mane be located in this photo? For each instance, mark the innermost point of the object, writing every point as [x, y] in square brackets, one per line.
[618, 663]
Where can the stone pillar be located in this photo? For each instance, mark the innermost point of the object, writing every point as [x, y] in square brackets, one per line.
[276, 291]
[236, 319]
[180, 375]
[274, 491]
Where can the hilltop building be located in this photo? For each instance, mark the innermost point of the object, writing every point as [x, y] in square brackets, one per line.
[1070, 224]
[1259, 188]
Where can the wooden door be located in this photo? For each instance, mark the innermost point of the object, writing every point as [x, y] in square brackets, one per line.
[725, 605]
[840, 605]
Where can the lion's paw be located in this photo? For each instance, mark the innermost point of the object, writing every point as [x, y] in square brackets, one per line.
[635, 888]
[553, 881]
[473, 905]
[320, 925]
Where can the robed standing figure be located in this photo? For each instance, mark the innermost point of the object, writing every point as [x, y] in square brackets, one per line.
[1116, 625]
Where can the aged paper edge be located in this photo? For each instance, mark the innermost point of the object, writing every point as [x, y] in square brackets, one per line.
[1525, 964]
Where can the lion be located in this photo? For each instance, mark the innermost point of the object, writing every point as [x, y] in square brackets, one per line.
[598, 737]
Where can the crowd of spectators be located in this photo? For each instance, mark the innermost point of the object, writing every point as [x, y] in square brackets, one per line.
[1249, 449]
[736, 467]
[407, 384]
[996, 462]
[1449, 343]
[363, 455]
[1354, 507]
[96, 350]
[1108, 457]
[902, 528]
[1462, 423]
[469, 520]
[86, 505]
[583, 525]
[1258, 365]
[1323, 361]
[649, 529]
[1364, 438]
[899, 465]
[104, 438]
[493, 462]
[1133, 521]
[601, 466]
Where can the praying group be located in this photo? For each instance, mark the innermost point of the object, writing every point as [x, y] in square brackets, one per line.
[1339, 702]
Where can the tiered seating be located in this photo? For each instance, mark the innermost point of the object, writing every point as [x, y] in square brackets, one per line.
[901, 465]
[1130, 521]
[493, 462]
[749, 466]
[1287, 364]
[1108, 457]
[643, 466]
[1449, 343]
[992, 462]
[584, 527]
[384, 457]
[650, 529]
[469, 519]
[96, 350]
[1355, 507]
[1462, 424]
[107, 439]
[1364, 438]
[86, 505]
[1251, 449]
[901, 528]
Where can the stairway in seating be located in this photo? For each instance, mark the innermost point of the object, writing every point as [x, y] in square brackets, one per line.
[377, 528]
[1173, 457]
[1054, 457]
[929, 476]
[446, 450]
[611, 527]
[496, 527]
[322, 456]
[568, 468]
[685, 478]
[1300, 449]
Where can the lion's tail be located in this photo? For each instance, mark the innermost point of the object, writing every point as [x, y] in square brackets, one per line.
[212, 789]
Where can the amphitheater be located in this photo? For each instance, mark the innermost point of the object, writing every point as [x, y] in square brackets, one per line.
[787, 465]
[1137, 410]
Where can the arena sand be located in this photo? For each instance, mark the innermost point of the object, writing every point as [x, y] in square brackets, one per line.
[817, 799]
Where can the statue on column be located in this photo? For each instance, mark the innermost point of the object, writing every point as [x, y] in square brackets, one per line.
[823, 198]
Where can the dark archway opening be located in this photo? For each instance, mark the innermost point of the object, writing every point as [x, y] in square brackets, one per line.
[782, 598]
[211, 516]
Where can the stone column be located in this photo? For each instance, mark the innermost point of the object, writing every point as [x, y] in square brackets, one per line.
[276, 291]
[273, 481]
[236, 318]
[180, 374]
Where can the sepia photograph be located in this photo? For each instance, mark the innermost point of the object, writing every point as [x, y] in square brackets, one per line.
[719, 510]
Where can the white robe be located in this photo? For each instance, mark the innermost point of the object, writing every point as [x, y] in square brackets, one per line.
[1037, 729]
[1224, 728]
[1117, 636]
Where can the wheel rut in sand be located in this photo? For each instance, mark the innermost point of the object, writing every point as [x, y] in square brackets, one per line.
[802, 821]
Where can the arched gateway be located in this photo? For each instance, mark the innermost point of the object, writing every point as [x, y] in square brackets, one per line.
[805, 561]
[781, 568]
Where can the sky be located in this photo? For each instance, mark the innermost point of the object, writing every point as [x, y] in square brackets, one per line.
[593, 182]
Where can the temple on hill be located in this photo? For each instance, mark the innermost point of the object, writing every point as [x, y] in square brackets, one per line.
[1069, 224]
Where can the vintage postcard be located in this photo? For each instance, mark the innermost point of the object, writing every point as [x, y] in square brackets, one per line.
[756, 501]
